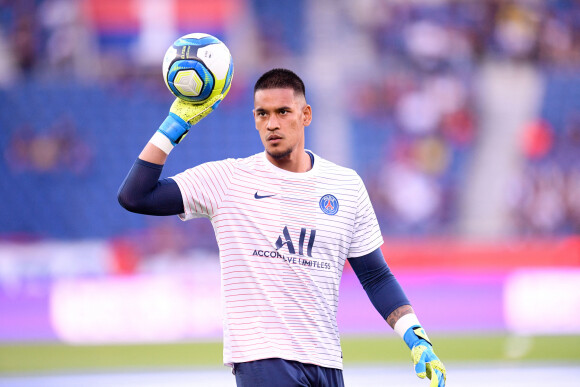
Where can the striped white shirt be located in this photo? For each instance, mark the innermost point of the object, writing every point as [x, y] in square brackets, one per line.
[283, 239]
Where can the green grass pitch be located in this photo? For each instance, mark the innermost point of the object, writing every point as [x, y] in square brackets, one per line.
[34, 358]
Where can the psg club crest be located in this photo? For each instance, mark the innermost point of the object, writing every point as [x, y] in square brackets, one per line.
[329, 204]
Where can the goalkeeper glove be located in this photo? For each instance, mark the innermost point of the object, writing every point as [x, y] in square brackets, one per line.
[182, 116]
[426, 363]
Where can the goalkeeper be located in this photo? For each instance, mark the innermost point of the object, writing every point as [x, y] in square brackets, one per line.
[286, 221]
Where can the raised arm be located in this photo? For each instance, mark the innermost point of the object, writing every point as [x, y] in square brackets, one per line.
[142, 191]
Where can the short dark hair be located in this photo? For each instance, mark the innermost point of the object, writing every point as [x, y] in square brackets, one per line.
[280, 79]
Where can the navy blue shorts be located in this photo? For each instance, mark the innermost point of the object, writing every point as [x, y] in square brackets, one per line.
[285, 373]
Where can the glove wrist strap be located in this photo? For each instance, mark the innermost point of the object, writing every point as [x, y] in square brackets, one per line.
[174, 128]
[409, 328]
[170, 133]
[415, 336]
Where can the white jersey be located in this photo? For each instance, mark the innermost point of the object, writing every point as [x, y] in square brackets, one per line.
[283, 239]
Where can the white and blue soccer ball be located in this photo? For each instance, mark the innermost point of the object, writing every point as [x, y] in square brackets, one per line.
[198, 67]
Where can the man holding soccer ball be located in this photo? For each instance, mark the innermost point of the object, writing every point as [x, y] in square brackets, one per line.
[286, 221]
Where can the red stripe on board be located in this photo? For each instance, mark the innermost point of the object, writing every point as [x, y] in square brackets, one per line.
[454, 255]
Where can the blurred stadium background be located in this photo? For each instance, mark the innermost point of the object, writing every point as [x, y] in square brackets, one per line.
[463, 118]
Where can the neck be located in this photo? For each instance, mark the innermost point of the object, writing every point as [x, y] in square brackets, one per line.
[297, 161]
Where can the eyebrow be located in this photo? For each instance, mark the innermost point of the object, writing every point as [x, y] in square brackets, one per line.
[261, 109]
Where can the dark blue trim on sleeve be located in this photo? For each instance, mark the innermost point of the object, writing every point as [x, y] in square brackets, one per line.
[380, 284]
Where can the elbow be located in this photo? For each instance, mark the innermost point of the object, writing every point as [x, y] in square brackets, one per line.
[127, 202]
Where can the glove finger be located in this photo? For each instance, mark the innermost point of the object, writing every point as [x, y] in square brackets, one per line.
[182, 109]
[432, 375]
[193, 113]
[442, 379]
[418, 354]
[206, 108]
[434, 381]
[437, 366]
[437, 376]
[216, 104]
[421, 370]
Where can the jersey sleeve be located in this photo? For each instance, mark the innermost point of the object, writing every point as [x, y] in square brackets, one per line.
[367, 235]
[204, 187]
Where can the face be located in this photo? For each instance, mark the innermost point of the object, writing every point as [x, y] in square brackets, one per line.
[280, 118]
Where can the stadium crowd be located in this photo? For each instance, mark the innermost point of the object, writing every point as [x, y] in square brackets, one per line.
[420, 98]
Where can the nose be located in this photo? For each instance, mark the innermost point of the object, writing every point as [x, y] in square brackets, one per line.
[273, 123]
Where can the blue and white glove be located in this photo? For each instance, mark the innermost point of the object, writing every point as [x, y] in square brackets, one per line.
[182, 116]
[426, 363]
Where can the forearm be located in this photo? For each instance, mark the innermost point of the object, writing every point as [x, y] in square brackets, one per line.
[153, 154]
[394, 317]
[384, 290]
[381, 286]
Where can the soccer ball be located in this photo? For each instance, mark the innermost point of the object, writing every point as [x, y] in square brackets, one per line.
[198, 67]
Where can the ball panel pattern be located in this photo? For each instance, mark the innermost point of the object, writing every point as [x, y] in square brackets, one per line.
[197, 67]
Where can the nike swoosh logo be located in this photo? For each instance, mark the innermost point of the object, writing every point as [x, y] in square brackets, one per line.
[256, 196]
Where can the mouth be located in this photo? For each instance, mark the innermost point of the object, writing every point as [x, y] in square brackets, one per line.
[273, 138]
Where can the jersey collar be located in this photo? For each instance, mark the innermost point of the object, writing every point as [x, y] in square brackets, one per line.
[279, 171]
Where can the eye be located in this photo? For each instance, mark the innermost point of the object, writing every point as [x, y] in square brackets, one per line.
[283, 111]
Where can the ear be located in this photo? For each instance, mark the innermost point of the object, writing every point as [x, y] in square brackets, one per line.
[254, 114]
[307, 113]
